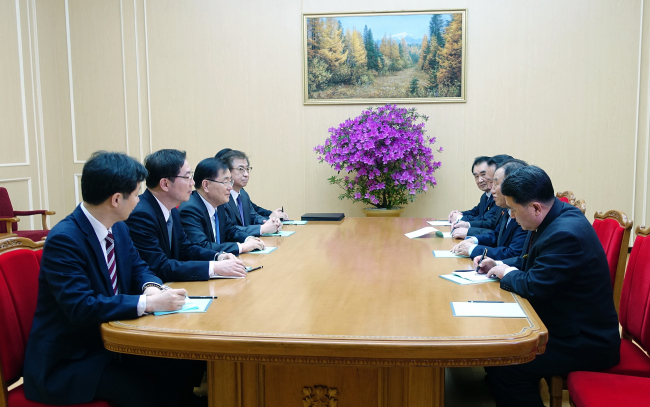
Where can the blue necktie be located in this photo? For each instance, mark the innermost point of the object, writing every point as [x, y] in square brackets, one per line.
[169, 231]
[241, 210]
[217, 235]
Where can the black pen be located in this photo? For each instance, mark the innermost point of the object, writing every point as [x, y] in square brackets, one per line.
[479, 262]
[202, 296]
[256, 268]
[500, 302]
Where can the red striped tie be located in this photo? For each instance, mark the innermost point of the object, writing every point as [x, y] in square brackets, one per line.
[110, 260]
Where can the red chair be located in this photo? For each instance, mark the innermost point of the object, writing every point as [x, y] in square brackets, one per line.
[9, 220]
[19, 269]
[568, 197]
[613, 230]
[592, 389]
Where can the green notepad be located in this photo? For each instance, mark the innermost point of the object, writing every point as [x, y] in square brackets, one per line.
[265, 251]
[294, 222]
[447, 254]
[283, 233]
[191, 305]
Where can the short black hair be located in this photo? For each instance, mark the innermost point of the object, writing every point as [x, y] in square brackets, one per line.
[163, 163]
[502, 158]
[208, 169]
[510, 166]
[527, 184]
[107, 173]
[231, 155]
[479, 160]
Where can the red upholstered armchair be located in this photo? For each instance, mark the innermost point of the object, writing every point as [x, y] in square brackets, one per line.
[19, 269]
[592, 389]
[568, 197]
[9, 220]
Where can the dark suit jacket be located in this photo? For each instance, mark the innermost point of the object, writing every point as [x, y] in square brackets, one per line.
[65, 355]
[260, 211]
[198, 226]
[253, 220]
[566, 280]
[484, 214]
[502, 243]
[184, 261]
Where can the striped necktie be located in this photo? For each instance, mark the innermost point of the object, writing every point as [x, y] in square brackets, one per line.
[110, 260]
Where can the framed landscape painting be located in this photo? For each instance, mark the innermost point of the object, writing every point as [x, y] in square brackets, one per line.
[400, 57]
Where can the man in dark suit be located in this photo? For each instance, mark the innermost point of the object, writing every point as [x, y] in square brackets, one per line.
[204, 217]
[565, 276]
[156, 229]
[507, 239]
[91, 273]
[239, 207]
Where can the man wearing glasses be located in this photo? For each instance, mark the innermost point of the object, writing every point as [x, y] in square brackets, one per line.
[156, 230]
[204, 216]
[240, 207]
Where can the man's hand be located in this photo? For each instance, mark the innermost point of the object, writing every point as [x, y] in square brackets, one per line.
[230, 267]
[462, 248]
[226, 256]
[252, 243]
[460, 233]
[453, 215]
[271, 226]
[279, 214]
[498, 271]
[486, 265]
[165, 300]
[460, 224]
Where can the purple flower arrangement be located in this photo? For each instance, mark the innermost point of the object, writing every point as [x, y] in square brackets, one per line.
[385, 154]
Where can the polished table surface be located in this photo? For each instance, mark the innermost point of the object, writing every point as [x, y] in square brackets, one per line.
[356, 292]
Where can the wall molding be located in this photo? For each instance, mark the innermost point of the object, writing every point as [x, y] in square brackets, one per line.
[77, 193]
[126, 113]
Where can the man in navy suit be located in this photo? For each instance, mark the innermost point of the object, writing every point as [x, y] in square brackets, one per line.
[156, 229]
[565, 277]
[239, 207]
[204, 217]
[90, 274]
[507, 239]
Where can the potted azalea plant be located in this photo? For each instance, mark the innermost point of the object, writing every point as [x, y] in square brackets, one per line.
[385, 156]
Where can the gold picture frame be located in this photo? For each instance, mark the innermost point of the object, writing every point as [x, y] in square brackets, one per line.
[348, 64]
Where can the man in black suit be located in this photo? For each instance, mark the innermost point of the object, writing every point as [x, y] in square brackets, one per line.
[565, 276]
[204, 217]
[156, 227]
[91, 273]
[507, 239]
[239, 208]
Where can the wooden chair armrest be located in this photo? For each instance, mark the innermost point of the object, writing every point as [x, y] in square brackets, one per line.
[8, 222]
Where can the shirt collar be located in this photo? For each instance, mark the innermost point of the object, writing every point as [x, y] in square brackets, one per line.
[163, 208]
[488, 194]
[98, 227]
[234, 195]
[208, 206]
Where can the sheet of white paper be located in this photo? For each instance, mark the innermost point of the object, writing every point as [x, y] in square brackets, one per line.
[457, 280]
[445, 234]
[421, 232]
[447, 254]
[265, 251]
[487, 309]
[294, 222]
[438, 223]
[473, 276]
[191, 305]
[282, 233]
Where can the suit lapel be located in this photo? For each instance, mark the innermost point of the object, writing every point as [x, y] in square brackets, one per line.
[91, 237]
[155, 207]
[123, 272]
[503, 220]
[197, 201]
[235, 210]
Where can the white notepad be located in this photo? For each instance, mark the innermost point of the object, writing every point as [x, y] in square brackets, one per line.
[191, 305]
[282, 233]
[487, 309]
[294, 222]
[421, 232]
[457, 280]
[265, 251]
[447, 254]
[474, 276]
[438, 223]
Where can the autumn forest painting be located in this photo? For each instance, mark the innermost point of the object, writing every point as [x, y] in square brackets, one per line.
[415, 56]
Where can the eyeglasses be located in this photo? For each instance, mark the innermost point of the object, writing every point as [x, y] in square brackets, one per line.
[243, 169]
[231, 182]
[187, 177]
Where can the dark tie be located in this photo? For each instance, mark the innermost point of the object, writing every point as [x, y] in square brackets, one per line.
[504, 225]
[169, 231]
[217, 235]
[110, 260]
[241, 210]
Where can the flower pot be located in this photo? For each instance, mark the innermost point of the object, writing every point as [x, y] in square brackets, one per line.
[383, 212]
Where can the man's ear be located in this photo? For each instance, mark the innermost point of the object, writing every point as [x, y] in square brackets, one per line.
[538, 208]
[115, 199]
[164, 184]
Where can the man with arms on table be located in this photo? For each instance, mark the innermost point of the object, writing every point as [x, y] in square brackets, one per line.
[565, 277]
[239, 207]
[204, 217]
[156, 228]
[90, 274]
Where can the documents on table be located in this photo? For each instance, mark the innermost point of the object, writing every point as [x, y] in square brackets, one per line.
[282, 233]
[421, 232]
[458, 280]
[248, 269]
[487, 309]
[265, 251]
[443, 234]
[438, 223]
[294, 222]
[191, 305]
[447, 254]
[474, 276]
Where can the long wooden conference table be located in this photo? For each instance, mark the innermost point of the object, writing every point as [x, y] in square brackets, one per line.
[349, 313]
